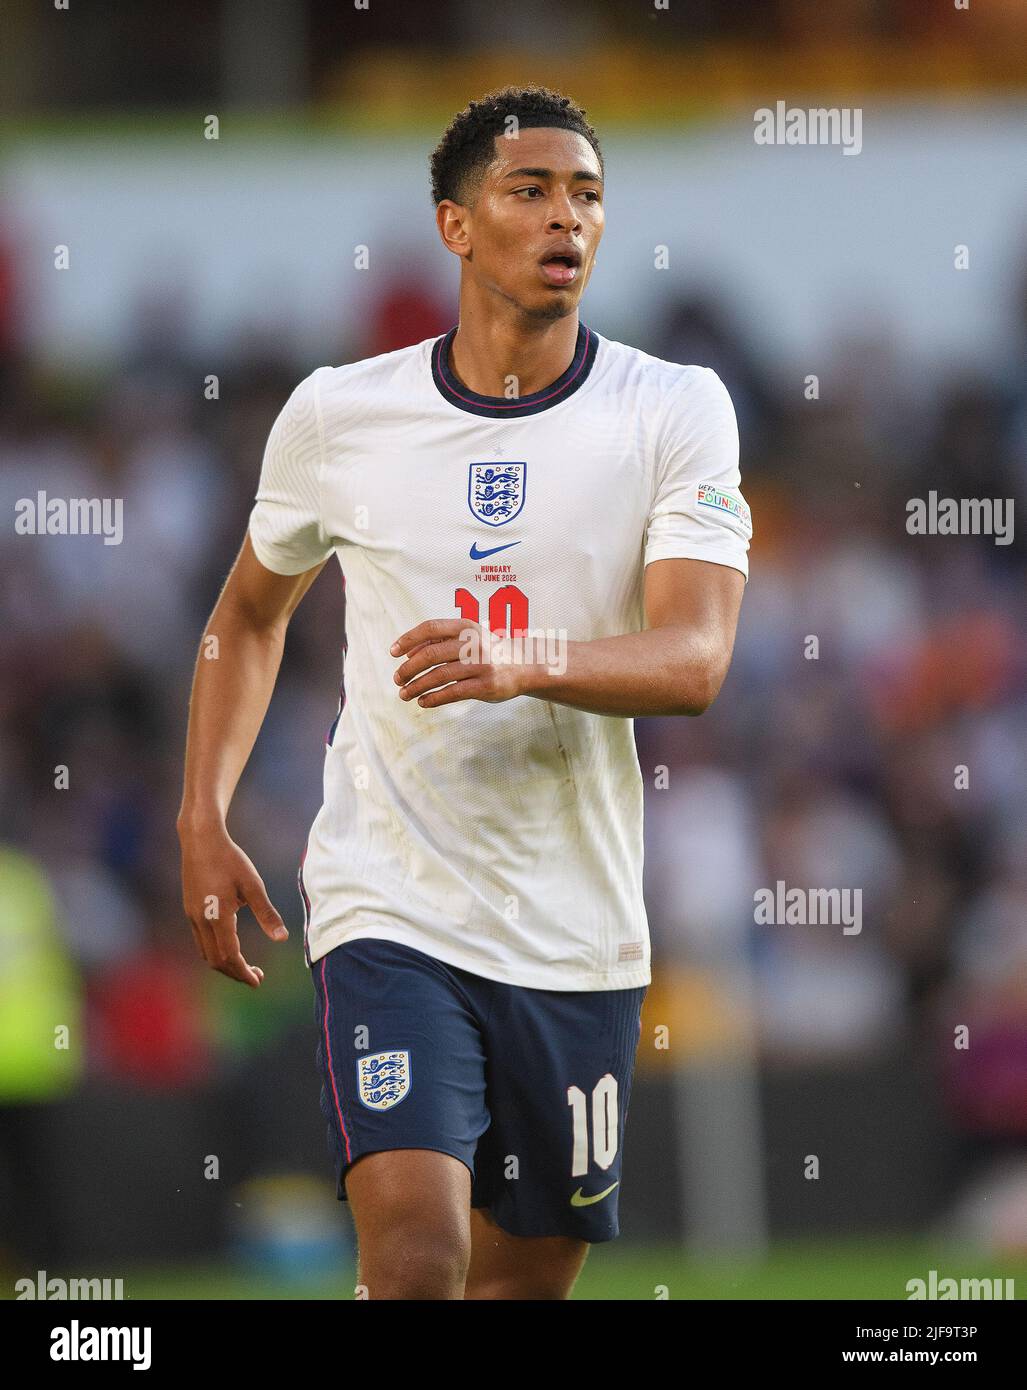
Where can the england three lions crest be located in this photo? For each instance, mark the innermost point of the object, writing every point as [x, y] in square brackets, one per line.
[495, 491]
[383, 1079]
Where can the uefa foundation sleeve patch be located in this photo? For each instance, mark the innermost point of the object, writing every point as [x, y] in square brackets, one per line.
[712, 496]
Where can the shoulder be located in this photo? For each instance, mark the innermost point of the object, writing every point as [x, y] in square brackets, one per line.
[365, 383]
[668, 386]
[330, 397]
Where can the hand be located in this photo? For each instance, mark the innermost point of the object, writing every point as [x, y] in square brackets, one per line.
[469, 661]
[218, 878]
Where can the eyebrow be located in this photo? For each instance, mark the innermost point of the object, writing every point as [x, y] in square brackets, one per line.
[579, 174]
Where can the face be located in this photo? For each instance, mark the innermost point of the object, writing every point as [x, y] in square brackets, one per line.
[535, 224]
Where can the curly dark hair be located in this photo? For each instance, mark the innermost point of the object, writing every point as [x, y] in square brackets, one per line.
[467, 148]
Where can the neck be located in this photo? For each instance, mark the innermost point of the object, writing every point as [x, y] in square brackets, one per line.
[488, 349]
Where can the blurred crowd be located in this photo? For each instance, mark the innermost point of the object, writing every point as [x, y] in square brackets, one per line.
[871, 734]
[872, 731]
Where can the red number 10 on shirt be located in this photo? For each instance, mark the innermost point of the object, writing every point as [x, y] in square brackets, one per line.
[508, 610]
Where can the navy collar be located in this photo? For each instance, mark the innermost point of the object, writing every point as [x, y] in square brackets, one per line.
[500, 407]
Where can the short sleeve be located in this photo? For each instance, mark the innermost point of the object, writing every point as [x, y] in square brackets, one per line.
[285, 524]
[698, 510]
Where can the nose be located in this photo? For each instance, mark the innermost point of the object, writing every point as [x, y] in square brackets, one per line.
[564, 215]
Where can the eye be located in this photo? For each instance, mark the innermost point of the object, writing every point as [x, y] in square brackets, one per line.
[591, 195]
[529, 188]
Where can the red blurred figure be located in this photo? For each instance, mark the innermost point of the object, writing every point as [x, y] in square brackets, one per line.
[407, 313]
[150, 1023]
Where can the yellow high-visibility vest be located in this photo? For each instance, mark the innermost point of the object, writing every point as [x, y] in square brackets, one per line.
[42, 1048]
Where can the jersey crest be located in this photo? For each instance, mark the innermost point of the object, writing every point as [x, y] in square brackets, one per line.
[383, 1079]
[495, 491]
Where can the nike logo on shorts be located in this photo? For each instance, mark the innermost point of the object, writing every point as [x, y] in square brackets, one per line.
[579, 1201]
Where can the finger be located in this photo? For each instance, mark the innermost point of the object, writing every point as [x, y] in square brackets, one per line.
[471, 646]
[439, 675]
[225, 935]
[226, 932]
[205, 938]
[198, 938]
[418, 647]
[428, 631]
[256, 898]
[237, 969]
[475, 689]
[227, 954]
[431, 654]
[220, 943]
[222, 952]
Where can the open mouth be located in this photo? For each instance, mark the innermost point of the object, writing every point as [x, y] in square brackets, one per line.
[560, 267]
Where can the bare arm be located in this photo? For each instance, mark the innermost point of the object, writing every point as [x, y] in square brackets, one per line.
[240, 654]
[676, 666]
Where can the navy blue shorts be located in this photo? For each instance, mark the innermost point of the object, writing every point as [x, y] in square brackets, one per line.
[528, 1087]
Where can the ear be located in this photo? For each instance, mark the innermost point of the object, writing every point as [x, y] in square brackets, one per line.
[453, 222]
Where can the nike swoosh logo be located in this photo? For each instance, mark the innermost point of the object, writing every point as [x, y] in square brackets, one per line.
[579, 1201]
[477, 554]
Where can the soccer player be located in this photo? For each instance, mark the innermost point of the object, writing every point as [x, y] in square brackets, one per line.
[543, 536]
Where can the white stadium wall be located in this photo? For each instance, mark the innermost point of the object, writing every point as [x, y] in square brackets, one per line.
[798, 241]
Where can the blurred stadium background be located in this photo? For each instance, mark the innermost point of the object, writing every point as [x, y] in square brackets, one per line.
[235, 258]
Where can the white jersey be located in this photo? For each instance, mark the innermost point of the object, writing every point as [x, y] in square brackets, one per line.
[504, 839]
